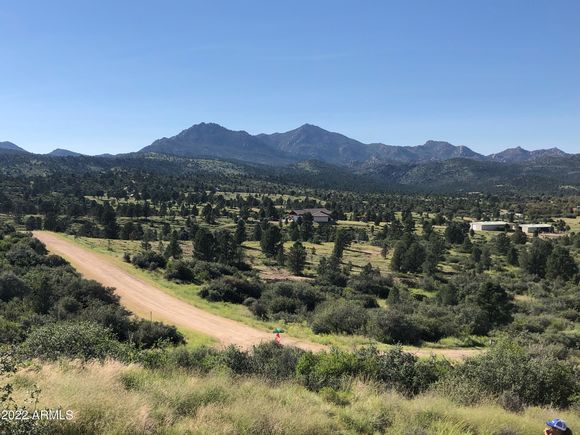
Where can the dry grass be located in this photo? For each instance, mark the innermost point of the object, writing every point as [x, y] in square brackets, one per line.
[113, 398]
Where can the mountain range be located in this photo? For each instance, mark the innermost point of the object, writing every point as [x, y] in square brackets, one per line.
[309, 142]
[317, 157]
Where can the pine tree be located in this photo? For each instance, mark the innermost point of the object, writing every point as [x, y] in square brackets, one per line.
[502, 244]
[257, 234]
[281, 256]
[109, 220]
[173, 248]
[271, 240]
[397, 258]
[519, 237]
[512, 256]
[561, 264]
[204, 245]
[207, 213]
[240, 235]
[297, 258]
[146, 241]
[342, 241]
[485, 260]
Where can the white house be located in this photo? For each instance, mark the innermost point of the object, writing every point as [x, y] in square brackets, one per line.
[536, 228]
[489, 226]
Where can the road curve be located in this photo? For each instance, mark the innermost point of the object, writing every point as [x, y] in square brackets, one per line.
[145, 299]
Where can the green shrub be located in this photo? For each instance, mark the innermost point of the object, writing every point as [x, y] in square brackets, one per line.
[179, 271]
[393, 326]
[84, 340]
[148, 260]
[273, 361]
[150, 334]
[536, 379]
[289, 297]
[231, 289]
[339, 316]
[327, 369]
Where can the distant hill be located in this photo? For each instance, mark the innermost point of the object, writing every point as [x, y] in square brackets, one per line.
[430, 151]
[10, 147]
[551, 174]
[548, 175]
[59, 152]
[518, 154]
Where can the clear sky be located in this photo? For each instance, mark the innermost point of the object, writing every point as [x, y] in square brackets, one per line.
[111, 76]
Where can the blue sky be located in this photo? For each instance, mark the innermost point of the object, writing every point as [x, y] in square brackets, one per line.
[112, 76]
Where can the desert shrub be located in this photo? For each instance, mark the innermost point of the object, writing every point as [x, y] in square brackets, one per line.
[539, 379]
[435, 321]
[113, 317]
[393, 326]
[54, 261]
[370, 282]
[179, 271]
[256, 308]
[10, 331]
[12, 286]
[202, 359]
[6, 228]
[290, 297]
[327, 369]
[273, 361]
[364, 300]
[21, 255]
[231, 289]
[269, 360]
[399, 370]
[148, 334]
[84, 340]
[207, 270]
[338, 316]
[237, 360]
[148, 260]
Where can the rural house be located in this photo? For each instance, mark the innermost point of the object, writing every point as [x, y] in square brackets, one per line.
[537, 228]
[320, 215]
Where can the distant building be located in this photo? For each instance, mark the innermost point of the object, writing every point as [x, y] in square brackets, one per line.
[537, 228]
[320, 215]
[489, 226]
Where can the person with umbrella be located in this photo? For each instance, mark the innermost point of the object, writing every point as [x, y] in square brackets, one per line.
[277, 332]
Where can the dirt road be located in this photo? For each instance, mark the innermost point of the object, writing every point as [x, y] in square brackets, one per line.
[145, 300]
